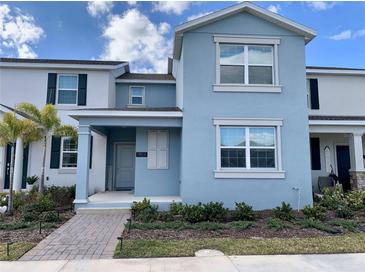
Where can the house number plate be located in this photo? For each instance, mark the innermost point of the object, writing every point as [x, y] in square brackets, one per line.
[141, 154]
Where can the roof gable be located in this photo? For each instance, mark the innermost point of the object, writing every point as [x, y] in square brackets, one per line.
[248, 7]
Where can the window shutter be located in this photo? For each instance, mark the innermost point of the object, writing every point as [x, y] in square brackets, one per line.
[315, 154]
[162, 149]
[91, 151]
[51, 88]
[55, 152]
[81, 98]
[152, 149]
[314, 93]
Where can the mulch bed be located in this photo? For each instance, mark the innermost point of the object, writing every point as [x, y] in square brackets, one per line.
[30, 235]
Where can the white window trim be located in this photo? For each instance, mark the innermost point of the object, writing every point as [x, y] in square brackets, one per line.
[61, 156]
[77, 88]
[260, 173]
[143, 96]
[246, 41]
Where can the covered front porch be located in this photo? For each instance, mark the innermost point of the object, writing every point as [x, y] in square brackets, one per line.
[139, 157]
[338, 147]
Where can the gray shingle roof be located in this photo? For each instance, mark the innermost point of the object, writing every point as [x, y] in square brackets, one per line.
[134, 109]
[147, 76]
[336, 118]
[60, 61]
[333, 68]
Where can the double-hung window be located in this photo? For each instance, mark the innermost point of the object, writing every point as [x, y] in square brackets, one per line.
[67, 89]
[248, 150]
[246, 64]
[136, 95]
[68, 153]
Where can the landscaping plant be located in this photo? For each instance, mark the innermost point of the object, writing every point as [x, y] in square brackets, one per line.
[193, 213]
[144, 211]
[214, 212]
[344, 211]
[316, 211]
[176, 209]
[277, 224]
[283, 212]
[355, 199]
[333, 197]
[244, 212]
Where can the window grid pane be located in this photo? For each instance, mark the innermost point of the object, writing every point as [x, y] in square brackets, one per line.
[137, 100]
[137, 91]
[262, 158]
[231, 54]
[232, 74]
[67, 96]
[233, 157]
[233, 136]
[69, 159]
[67, 82]
[262, 137]
[260, 75]
[260, 55]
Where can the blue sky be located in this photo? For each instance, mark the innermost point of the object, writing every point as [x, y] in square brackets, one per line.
[142, 32]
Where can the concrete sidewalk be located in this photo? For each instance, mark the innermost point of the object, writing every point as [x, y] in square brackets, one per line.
[334, 262]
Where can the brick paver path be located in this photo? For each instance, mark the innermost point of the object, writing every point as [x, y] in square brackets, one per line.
[84, 236]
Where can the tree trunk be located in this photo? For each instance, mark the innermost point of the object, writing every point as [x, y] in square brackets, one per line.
[11, 179]
[41, 183]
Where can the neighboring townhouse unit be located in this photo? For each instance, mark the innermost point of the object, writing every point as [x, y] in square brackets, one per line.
[228, 122]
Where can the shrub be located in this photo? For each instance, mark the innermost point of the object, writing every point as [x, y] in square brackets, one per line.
[316, 212]
[312, 223]
[61, 195]
[144, 211]
[193, 213]
[347, 224]
[244, 212]
[241, 225]
[208, 226]
[30, 216]
[32, 211]
[176, 209]
[332, 197]
[19, 199]
[283, 212]
[31, 180]
[355, 199]
[277, 224]
[344, 211]
[49, 216]
[214, 212]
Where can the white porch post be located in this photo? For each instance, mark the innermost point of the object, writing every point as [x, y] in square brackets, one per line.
[18, 165]
[2, 168]
[83, 161]
[357, 163]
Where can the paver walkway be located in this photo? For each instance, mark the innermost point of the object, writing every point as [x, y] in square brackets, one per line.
[84, 236]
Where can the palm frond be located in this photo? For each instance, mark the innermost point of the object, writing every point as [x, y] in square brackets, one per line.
[67, 130]
[31, 111]
[10, 128]
[49, 119]
[31, 132]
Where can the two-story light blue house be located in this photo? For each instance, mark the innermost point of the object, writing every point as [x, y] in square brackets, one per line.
[229, 122]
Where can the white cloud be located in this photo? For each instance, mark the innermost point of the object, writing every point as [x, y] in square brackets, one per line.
[132, 3]
[18, 31]
[359, 33]
[171, 7]
[96, 8]
[131, 36]
[344, 35]
[194, 16]
[320, 5]
[274, 8]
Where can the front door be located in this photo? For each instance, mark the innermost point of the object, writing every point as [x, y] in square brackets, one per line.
[124, 166]
[7, 167]
[343, 166]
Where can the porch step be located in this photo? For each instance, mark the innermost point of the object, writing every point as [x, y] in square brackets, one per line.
[101, 210]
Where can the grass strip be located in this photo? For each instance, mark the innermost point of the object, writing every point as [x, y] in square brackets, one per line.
[351, 243]
[16, 250]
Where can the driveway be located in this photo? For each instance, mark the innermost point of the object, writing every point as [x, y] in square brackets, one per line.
[85, 236]
[335, 262]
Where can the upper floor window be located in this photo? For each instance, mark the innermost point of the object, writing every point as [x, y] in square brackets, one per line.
[136, 95]
[67, 89]
[68, 153]
[247, 64]
[312, 93]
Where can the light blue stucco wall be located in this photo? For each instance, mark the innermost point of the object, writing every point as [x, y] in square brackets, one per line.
[156, 95]
[201, 105]
[158, 182]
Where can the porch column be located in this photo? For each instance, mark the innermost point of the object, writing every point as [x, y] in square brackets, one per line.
[18, 165]
[357, 170]
[83, 159]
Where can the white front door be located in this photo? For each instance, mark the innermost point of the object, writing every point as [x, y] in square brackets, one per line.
[124, 166]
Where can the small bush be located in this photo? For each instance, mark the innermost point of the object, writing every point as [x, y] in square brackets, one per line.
[244, 212]
[347, 224]
[49, 216]
[312, 223]
[241, 225]
[14, 226]
[30, 216]
[193, 213]
[214, 212]
[283, 212]
[333, 197]
[31, 180]
[208, 226]
[316, 212]
[176, 209]
[61, 195]
[277, 224]
[144, 211]
[344, 211]
[19, 199]
[355, 199]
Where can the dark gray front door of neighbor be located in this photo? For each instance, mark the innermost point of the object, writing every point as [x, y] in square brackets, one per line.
[343, 166]
[124, 166]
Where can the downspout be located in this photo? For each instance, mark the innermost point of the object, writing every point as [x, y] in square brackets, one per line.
[297, 189]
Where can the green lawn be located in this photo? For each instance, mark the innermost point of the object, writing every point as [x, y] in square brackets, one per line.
[16, 251]
[350, 243]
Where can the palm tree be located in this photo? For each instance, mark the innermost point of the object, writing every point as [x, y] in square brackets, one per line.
[12, 128]
[47, 119]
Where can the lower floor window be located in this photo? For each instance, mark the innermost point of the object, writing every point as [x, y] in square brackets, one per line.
[68, 153]
[248, 148]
